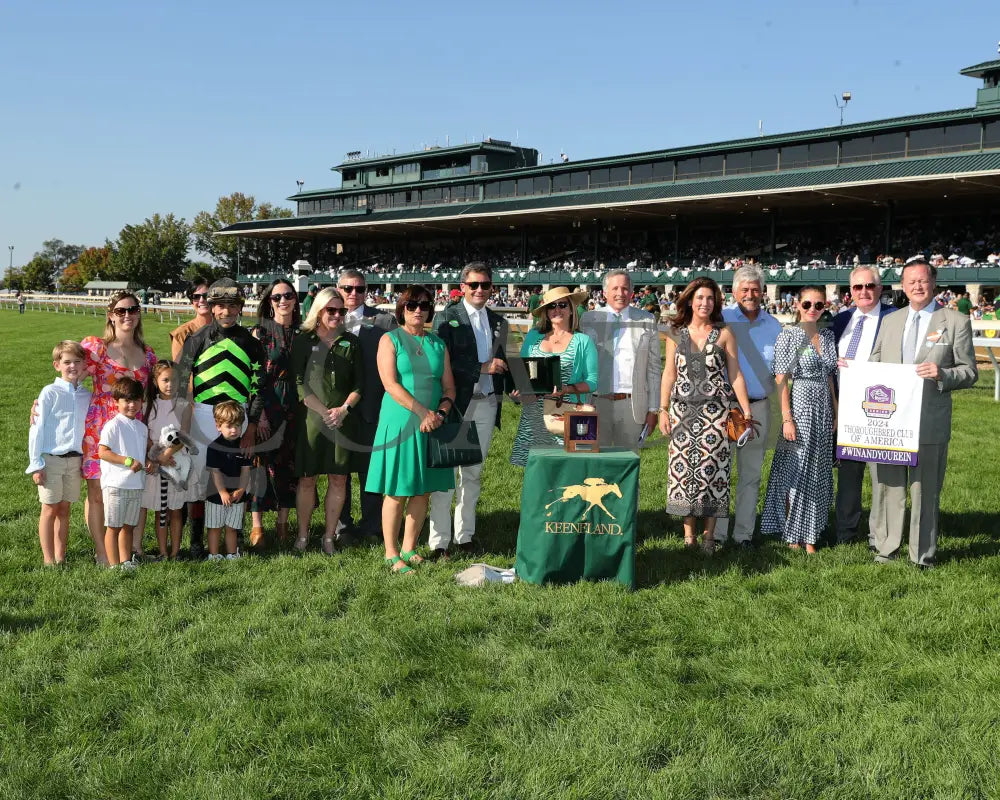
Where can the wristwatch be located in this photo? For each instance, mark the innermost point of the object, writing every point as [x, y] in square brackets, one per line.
[441, 413]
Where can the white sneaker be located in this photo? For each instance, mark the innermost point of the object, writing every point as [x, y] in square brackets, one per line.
[234, 556]
[129, 566]
[214, 557]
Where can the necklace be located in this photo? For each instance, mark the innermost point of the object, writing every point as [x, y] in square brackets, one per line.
[420, 346]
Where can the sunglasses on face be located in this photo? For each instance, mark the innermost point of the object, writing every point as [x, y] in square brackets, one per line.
[121, 311]
[857, 287]
[277, 298]
[423, 305]
[805, 305]
[334, 312]
[197, 297]
[351, 289]
[560, 306]
[477, 284]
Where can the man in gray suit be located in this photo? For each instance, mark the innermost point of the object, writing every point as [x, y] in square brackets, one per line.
[856, 330]
[368, 324]
[938, 342]
[629, 364]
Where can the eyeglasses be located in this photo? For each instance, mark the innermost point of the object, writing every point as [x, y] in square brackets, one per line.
[477, 284]
[561, 306]
[805, 305]
[857, 287]
[334, 312]
[351, 288]
[197, 297]
[277, 298]
[413, 305]
[121, 311]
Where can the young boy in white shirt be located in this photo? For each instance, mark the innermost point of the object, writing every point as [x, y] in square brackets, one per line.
[55, 446]
[122, 450]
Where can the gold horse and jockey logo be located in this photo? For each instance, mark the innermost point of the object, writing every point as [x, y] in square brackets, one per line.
[592, 491]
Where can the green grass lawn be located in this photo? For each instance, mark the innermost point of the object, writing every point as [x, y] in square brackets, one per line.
[766, 674]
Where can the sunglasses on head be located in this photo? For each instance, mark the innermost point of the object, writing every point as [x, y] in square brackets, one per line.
[819, 305]
[278, 297]
[477, 284]
[121, 311]
[857, 287]
[351, 288]
[197, 297]
[330, 311]
[560, 305]
[413, 305]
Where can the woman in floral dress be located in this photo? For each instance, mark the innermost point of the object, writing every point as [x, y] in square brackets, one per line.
[120, 352]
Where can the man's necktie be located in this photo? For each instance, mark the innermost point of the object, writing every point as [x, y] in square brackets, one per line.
[911, 343]
[852, 346]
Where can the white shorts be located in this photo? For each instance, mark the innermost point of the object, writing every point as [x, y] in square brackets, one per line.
[220, 516]
[62, 480]
[121, 506]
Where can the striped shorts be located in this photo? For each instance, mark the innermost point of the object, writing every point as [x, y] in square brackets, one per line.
[220, 516]
[121, 506]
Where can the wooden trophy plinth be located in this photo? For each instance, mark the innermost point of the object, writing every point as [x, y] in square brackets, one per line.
[581, 431]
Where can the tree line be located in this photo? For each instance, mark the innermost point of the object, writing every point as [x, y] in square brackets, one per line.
[155, 252]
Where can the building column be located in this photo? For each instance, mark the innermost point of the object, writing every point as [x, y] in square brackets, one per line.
[772, 292]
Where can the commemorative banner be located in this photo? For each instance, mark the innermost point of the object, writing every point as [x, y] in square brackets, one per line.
[879, 413]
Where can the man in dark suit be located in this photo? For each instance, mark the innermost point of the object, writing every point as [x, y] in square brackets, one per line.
[856, 329]
[368, 324]
[475, 337]
[937, 341]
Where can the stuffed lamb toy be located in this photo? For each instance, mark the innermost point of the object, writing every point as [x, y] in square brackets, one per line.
[181, 446]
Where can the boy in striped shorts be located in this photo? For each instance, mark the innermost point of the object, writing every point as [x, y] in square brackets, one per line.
[229, 476]
[122, 450]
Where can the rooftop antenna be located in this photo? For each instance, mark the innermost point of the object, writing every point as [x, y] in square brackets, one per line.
[299, 184]
[760, 127]
[846, 97]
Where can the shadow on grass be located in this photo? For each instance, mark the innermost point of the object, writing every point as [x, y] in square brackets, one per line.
[22, 624]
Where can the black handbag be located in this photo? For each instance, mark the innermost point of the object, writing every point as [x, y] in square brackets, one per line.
[454, 444]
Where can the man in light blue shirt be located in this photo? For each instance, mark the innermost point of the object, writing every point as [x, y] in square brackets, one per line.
[55, 447]
[756, 332]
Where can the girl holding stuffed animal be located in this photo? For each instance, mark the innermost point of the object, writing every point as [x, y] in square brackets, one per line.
[162, 494]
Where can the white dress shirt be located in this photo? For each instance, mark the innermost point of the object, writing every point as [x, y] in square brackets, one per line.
[624, 366]
[352, 322]
[923, 319]
[484, 340]
[59, 424]
[867, 334]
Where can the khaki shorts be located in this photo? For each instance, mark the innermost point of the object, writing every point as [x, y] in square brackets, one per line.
[62, 480]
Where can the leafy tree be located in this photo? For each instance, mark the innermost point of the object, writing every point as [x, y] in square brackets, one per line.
[59, 253]
[94, 263]
[239, 254]
[153, 254]
[38, 274]
[15, 279]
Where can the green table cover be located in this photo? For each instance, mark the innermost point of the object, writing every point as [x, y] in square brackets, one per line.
[578, 513]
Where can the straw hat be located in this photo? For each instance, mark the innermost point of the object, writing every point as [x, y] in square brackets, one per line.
[560, 293]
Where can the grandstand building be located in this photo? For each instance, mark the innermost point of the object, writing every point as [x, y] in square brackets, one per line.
[829, 196]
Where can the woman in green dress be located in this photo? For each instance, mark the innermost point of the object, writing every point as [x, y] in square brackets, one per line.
[556, 335]
[419, 391]
[326, 363]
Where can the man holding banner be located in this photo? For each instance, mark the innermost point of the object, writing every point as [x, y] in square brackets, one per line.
[856, 330]
[938, 342]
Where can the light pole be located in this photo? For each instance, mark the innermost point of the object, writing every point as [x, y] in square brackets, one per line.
[846, 97]
[10, 265]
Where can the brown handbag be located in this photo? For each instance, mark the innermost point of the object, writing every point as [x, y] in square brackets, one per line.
[737, 425]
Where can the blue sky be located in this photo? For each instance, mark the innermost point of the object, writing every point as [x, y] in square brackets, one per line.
[113, 111]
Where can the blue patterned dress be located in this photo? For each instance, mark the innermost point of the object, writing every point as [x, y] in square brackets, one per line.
[802, 471]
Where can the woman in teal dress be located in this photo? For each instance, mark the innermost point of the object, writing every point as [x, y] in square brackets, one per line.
[556, 335]
[327, 367]
[419, 392]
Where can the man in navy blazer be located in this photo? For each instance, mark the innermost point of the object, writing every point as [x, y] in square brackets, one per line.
[855, 330]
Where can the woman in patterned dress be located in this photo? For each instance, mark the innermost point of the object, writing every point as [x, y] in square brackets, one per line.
[120, 352]
[556, 334]
[800, 487]
[278, 320]
[699, 358]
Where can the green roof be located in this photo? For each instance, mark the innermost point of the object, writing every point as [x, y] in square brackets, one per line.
[431, 152]
[981, 70]
[790, 180]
